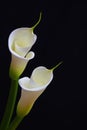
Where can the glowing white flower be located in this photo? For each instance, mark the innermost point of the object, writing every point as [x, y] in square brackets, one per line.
[20, 42]
[32, 88]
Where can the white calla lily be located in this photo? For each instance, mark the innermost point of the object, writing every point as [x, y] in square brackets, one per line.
[32, 88]
[20, 42]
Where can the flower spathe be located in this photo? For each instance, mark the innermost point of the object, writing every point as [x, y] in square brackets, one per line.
[20, 42]
[32, 88]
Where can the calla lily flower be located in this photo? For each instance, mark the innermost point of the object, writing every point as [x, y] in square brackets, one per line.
[20, 42]
[32, 88]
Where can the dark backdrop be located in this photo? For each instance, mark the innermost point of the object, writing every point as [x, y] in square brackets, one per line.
[62, 36]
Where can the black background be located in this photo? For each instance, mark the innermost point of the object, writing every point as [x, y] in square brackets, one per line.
[62, 36]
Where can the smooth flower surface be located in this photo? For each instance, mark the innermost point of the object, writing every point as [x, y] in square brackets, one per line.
[20, 42]
[32, 88]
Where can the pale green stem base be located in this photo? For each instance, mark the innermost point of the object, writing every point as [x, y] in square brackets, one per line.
[10, 105]
[18, 118]
[15, 123]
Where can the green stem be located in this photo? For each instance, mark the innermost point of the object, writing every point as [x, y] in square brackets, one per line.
[15, 123]
[10, 105]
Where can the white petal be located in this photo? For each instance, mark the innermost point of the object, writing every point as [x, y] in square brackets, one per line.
[28, 96]
[28, 84]
[42, 76]
[21, 40]
[18, 64]
[32, 88]
[40, 79]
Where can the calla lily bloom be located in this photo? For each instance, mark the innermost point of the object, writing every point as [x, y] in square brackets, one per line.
[33, 87]
[20, 42]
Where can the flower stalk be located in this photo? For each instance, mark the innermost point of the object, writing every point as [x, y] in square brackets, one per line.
[14, 124]
[10, 105]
